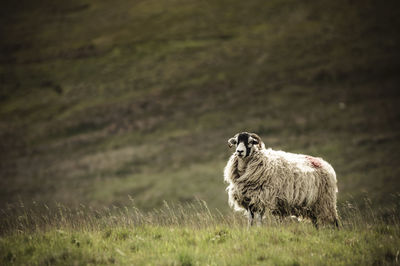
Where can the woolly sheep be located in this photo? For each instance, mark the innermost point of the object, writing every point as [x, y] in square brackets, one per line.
[282, 183]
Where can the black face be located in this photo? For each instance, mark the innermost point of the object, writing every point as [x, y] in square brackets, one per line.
[244, 144]
[243, 151]
[243, 137]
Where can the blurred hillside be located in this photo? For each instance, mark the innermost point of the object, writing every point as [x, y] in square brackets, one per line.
[100, 100]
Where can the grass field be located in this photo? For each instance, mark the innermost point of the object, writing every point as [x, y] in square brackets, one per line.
[192, 235]
[130, 103]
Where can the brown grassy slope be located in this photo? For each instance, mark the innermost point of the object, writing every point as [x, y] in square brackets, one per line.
[103, 100]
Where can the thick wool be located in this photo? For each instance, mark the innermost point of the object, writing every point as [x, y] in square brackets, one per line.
[284, 184]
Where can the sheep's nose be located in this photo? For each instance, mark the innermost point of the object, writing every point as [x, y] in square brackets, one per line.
[239, 152]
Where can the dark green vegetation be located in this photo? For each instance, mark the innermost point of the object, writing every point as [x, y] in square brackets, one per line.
[100, 100]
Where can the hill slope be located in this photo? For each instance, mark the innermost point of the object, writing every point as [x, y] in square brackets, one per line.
[100, 101]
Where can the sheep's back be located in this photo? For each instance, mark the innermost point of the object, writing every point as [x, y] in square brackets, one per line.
[276, 175]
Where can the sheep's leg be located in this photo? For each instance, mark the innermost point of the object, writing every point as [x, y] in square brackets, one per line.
[250, 217]
[315, 221]
[259, 218]
[325, 212]
[336, 223]
[335, 218]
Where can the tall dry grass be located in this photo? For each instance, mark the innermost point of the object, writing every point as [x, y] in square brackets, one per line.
[41, 217]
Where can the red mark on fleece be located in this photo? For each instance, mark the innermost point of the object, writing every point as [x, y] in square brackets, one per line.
[315, 162]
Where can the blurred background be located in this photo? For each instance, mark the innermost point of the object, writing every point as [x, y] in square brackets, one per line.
[105, 100]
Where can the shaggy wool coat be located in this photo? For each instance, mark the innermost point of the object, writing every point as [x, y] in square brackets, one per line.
[284, 184]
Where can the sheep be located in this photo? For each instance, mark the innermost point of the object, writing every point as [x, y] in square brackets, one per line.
[279, 182]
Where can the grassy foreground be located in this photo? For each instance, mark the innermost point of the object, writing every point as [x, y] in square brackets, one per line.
[191, 235]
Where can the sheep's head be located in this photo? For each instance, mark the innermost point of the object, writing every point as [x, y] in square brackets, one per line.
[246, 144]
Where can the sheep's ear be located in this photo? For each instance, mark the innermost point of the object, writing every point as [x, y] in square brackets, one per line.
[253, 141]
[231, 142]
[258, 140]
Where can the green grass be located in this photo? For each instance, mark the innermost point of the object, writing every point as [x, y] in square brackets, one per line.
[191, 235]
